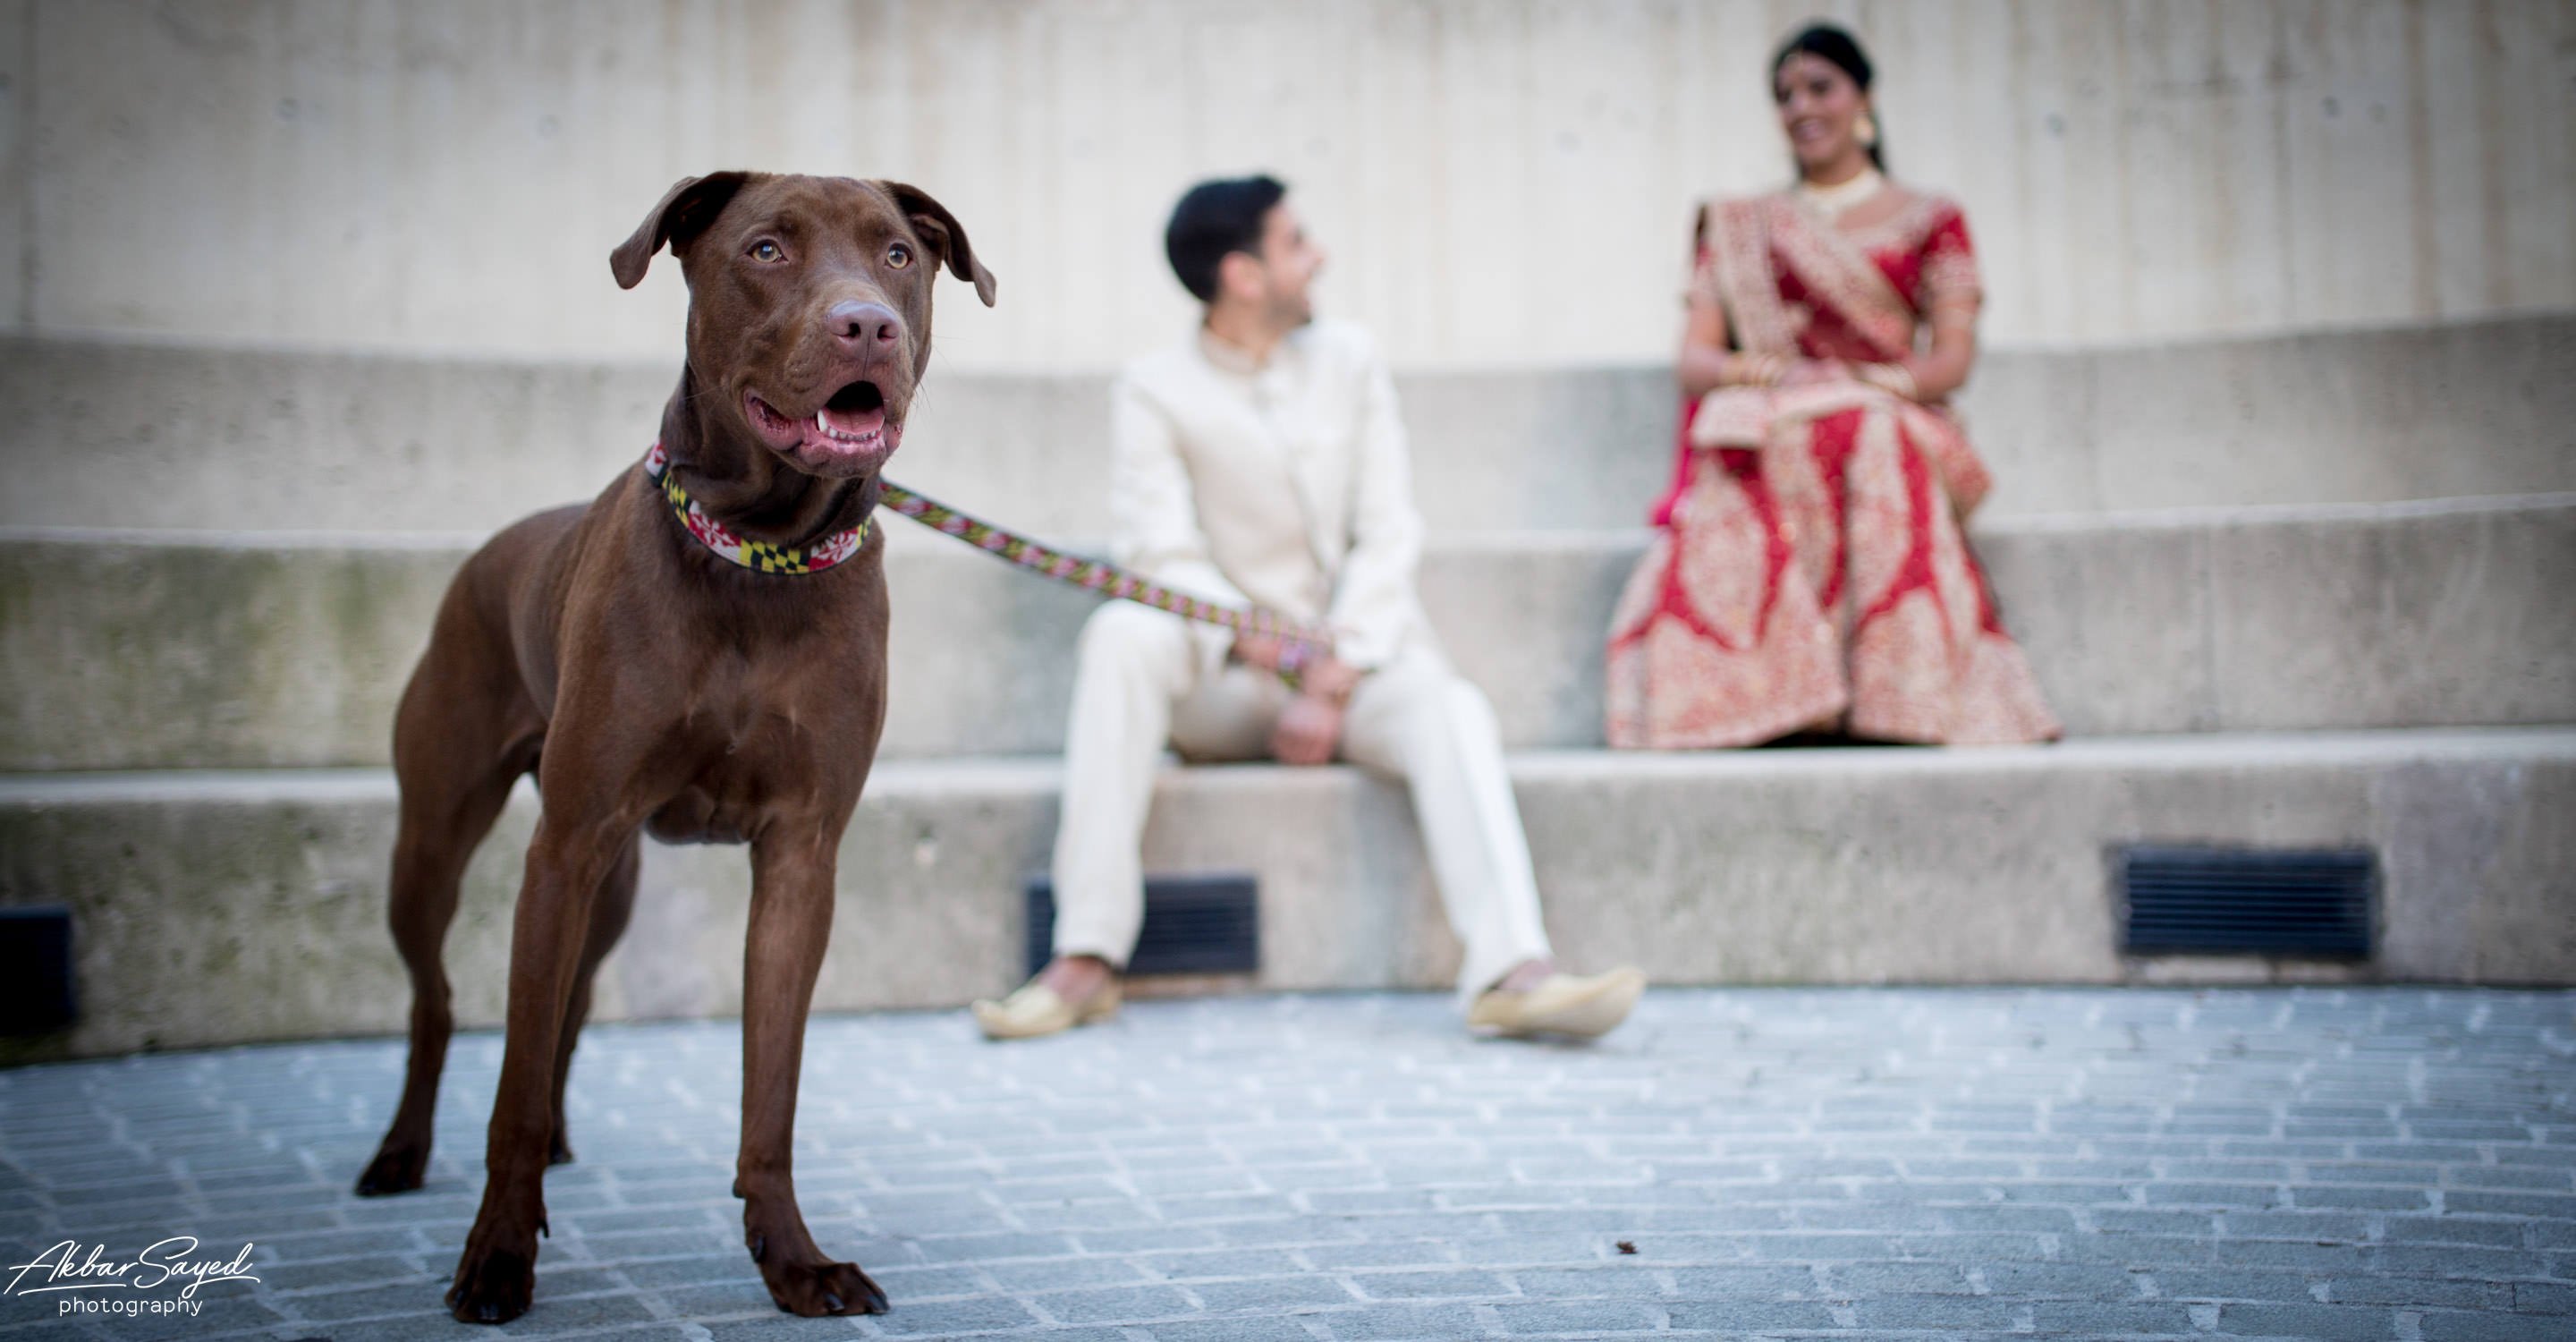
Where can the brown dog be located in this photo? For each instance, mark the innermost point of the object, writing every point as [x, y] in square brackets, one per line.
[651, 683]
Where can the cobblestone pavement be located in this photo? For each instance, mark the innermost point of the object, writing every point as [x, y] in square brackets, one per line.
[2394, 1164]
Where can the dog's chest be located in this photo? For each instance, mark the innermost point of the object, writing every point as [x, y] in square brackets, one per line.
[754, 747]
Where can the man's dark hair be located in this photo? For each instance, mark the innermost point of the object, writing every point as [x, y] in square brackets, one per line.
[1213, 219]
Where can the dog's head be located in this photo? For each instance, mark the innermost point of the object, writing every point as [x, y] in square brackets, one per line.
[809, 305]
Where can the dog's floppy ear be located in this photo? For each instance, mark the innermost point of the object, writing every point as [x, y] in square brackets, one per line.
[685, 210]
[940, 229]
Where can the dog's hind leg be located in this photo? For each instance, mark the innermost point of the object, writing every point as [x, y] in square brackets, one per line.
[460, 743]
[608, 918]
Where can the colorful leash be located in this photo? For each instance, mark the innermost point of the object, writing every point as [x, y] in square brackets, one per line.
[1299, 647]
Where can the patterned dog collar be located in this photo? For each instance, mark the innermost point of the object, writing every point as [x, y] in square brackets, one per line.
[758, 556]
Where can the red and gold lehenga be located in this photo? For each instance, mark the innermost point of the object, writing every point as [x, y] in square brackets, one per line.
[1809, 571]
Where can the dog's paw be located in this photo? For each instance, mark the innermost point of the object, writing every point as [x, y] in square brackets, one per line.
[823, 1287]
[397, 1168]
[494, 1283]
[558, 1151]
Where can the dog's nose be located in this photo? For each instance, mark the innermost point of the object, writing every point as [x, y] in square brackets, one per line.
[862, 327]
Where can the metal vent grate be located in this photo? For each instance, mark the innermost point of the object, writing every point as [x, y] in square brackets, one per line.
[36, 969]
[1208, 924]
[2314, 903]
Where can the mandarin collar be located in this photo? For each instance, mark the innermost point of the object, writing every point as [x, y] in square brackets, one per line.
[1230, 357]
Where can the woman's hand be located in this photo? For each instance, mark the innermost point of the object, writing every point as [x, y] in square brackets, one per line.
[1809, 372]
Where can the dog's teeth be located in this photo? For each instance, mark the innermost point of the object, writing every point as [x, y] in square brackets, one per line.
[821, 423]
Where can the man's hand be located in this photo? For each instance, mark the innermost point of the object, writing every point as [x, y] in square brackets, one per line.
[1307, 730]
[1326, 675]
[1261, 650]
[1311, 725]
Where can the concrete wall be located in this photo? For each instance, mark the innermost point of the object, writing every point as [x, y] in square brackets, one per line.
[381, 175]
[142, 650]
[143, 434]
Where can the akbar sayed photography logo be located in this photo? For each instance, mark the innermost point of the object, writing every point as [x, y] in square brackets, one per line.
[163, 1278]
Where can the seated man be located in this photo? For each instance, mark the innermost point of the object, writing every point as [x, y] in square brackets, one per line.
[1262, 463]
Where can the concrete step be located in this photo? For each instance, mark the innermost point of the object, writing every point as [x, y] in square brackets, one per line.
[220, 907]
[120, 435]
[153, 650]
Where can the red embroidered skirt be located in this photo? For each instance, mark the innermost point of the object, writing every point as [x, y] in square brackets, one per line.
[1818, 581]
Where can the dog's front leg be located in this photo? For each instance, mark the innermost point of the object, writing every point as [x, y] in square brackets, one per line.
[496, 1276]
[791, 919]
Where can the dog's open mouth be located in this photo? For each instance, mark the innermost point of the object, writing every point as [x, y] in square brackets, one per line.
[851, 430]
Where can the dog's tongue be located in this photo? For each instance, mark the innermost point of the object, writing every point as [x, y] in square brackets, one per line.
[854, 421]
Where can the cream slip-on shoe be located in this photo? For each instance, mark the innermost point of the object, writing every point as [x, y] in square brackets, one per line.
[1036, 1010]
[1583, 1007]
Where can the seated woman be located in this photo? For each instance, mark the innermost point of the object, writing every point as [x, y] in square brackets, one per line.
[1809, 573]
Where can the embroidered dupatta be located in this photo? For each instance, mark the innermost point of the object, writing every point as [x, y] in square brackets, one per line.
[1755, 245]
[1795, 287]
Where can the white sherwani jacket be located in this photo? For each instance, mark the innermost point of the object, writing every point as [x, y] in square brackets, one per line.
[1287, 486]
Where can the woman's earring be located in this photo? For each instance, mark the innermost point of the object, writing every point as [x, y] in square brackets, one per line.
[1867, 131]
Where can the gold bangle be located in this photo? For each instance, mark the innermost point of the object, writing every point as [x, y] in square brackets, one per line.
[1893, 378]
[1755, 370]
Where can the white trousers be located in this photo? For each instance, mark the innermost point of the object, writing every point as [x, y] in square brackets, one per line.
[1147, 678]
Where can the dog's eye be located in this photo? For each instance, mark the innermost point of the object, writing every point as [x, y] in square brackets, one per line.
[898, 256]
[765, 250]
